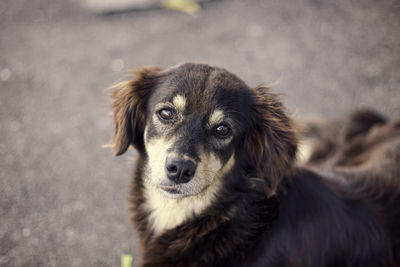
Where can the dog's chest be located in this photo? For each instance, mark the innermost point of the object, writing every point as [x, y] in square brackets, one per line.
[166, 213]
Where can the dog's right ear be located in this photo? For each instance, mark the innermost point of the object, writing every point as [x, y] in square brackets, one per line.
[271, 143]
[129, 107]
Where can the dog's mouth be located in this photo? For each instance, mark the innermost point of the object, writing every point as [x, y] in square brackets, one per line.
[171, 190]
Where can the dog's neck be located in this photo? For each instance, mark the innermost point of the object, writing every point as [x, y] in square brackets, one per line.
[190, 240]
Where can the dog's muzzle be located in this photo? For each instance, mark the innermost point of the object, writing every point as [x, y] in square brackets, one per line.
[179, 170]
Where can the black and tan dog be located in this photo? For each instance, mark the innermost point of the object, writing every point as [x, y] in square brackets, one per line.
[215, 182]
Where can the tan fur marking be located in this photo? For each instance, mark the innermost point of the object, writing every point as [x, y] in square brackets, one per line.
[179, 102]
[157, 151]
[228, 166]
[216, 117]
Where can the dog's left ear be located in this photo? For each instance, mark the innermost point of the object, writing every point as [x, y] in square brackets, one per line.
[271, 144]
[129, 107]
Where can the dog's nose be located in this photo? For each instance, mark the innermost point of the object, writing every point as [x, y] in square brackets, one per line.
[180, 171]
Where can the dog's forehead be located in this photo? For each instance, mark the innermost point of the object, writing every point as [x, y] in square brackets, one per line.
[202, 88]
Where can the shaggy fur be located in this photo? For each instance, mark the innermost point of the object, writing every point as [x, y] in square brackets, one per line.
[247, 204]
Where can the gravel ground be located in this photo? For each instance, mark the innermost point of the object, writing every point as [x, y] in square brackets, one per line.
[63, 198]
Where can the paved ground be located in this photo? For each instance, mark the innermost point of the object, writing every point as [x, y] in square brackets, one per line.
[63, 199]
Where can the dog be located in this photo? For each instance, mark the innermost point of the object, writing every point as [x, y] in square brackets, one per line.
[216, 181]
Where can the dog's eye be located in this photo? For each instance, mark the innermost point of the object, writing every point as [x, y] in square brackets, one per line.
[222, 130]
[166, 114]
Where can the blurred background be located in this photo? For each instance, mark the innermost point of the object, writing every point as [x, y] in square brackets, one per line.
[63, 198]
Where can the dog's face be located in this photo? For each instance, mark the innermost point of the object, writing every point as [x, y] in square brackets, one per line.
[194, 124]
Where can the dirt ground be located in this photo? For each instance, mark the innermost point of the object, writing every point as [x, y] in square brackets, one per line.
[63, 198]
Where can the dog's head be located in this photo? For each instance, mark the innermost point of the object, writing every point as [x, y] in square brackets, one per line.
[195, 123]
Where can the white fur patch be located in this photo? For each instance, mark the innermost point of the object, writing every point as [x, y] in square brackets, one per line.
[179, 101]
[304, 151]
[167, 213]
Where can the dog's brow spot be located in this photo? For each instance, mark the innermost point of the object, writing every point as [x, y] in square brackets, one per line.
[216, 117]
[179, 102]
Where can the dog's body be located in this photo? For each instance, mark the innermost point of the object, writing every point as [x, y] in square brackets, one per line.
[215, 182]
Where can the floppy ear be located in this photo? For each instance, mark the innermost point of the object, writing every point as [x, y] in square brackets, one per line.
[129, 108]
[271, 144]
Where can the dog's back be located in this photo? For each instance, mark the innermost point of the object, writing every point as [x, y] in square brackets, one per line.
[361, 163]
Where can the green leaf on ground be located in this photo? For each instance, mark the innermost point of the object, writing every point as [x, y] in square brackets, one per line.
[186, 6]
[126, 260]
